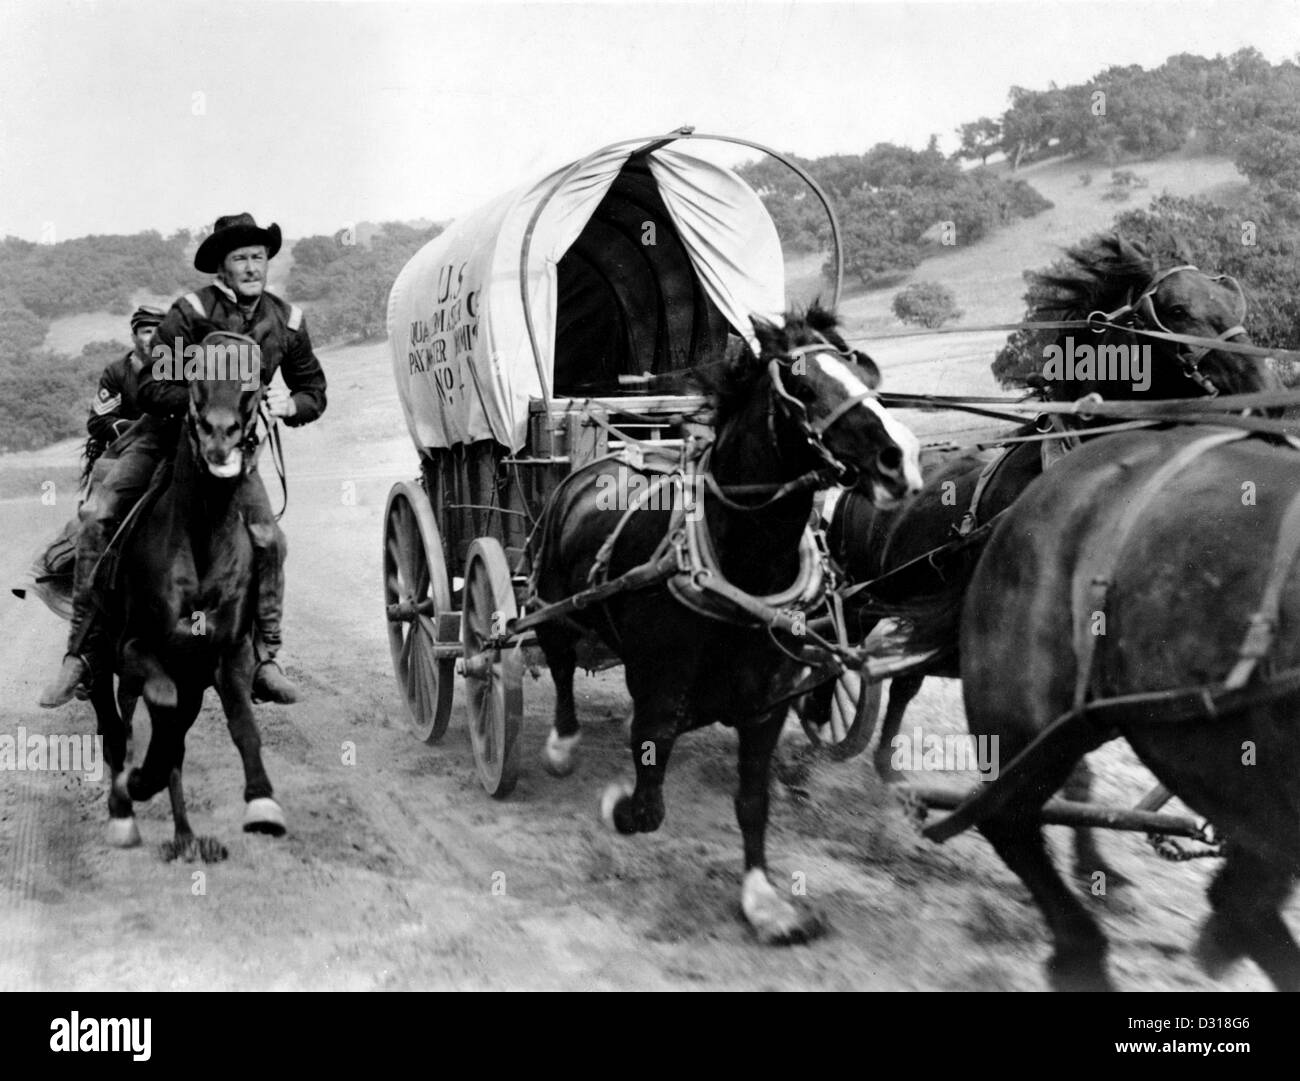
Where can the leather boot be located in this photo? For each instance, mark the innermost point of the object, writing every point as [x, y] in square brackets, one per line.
[71, 682]
[270, 684]
[75, 674]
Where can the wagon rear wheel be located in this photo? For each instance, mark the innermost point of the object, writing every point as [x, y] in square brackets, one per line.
[840, 717]
[494, 700]
[417, 595]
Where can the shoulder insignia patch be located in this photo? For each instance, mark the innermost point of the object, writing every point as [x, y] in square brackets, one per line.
[107, 405]
[295, 317]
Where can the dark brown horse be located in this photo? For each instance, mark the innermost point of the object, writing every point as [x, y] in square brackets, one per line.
[1106, 274]
[186, 586]
[1189, 539]
[806, 402]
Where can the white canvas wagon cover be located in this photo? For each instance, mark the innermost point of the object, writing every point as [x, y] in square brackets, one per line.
[462, 356]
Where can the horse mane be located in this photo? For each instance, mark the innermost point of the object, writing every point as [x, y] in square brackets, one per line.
[1099, 274]
[730, 384]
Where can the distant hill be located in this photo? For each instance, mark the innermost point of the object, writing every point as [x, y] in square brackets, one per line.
[986, 278]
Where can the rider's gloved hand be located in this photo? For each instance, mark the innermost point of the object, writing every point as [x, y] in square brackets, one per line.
[280, 402]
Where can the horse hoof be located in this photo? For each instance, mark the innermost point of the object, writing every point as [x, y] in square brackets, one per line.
[1090, 980]
[776, 921]
[610, 799]
[1078, 971]
[123, 832]
[1217, 948]
[263, 815]
[558, 755]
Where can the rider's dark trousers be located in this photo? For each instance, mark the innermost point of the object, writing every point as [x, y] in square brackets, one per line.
[113, 497]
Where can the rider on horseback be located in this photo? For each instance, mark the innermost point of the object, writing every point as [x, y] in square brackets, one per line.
[117, 402]
[237, 252]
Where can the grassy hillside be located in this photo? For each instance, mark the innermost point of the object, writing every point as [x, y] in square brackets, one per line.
[70, 333]
[986, 277]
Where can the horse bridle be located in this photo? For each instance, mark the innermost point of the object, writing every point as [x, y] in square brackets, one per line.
[814, 431]
[1144, 309]
[249, 441]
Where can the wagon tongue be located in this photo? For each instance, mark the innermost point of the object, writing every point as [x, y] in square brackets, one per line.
[1067, 739]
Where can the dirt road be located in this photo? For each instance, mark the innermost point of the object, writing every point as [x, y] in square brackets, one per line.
[398, 872]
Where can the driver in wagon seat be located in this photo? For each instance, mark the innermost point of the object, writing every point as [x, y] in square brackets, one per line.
[236, 252]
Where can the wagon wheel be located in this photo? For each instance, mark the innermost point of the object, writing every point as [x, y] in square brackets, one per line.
[840, 716]
[416, 595]
[494, 699]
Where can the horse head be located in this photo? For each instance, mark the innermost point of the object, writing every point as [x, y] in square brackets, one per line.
[1114, 280]
[824, 408]
[1183, 299]
[224, 402]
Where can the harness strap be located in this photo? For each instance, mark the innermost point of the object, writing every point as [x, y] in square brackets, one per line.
[986, 475]
[817, 478]
[600, 565]
[1258, 642]
[820, 427]
[1095, 575]
[1066, 440]
[935, 559]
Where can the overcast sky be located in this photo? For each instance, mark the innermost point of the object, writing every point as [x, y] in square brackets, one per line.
[122, 115]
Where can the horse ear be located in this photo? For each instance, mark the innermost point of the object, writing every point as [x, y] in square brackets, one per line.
[771, 338]
[869, 366]
[1179, 246]
[820, 319]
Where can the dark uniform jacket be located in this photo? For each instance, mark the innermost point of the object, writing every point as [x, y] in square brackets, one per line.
[117, 403]
[277, 326]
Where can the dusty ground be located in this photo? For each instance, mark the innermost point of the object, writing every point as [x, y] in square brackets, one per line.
[386, 877]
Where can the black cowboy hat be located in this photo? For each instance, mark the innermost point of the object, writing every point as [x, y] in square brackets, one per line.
[230, 232]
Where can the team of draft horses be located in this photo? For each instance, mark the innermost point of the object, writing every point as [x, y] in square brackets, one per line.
[1083, 513]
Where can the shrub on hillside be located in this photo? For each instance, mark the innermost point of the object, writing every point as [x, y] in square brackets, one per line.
[928, 304]
[888, 201]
